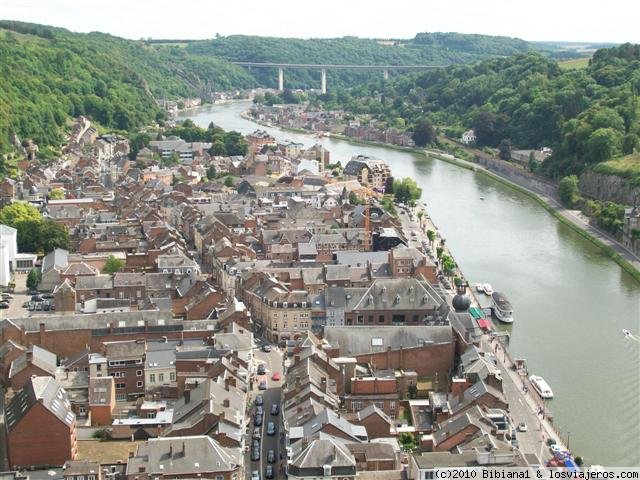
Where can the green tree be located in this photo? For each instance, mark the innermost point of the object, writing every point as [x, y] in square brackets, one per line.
[211, 172]
[113, 265]
[568, 190]
[228, 181]
[603, 144]
[406, 190]
[439, 252]
[431, 235]
[353, 199]
[33, 279]
[424, 133]
[17, 212]
[56, 194]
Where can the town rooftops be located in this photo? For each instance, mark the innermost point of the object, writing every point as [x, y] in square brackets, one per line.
[100, 390]
[436, 460]
[323, 457]
[39, 357]
[128, 349]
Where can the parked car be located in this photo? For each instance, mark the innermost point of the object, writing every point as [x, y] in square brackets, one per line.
[32, 306]
[262, 385]
[271, 456]
[25, 305]
[32, 291]
[48, 296]
[522, 427]
[266, 348]
[257, 433]
[36, 298]
[255, 475]
[7, 296]
[257, 421]
[255, 454]
[39, 306]
[262, 369]
[4, 305]
[268, 471]
[259, 410]
[275, 409]
[271, 428]
[276, 377]
[555, 448]
[259, 400]
[256, 443]
[46, 306]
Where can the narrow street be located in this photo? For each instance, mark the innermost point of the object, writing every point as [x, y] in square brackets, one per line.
[271, 396]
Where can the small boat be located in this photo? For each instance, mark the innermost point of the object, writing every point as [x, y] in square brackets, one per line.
[481, 198]
[541, 386]
[479, 287]
[626, 333]
[502, 308]
[487, 288]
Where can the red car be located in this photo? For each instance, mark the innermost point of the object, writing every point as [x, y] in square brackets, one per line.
[276, 377]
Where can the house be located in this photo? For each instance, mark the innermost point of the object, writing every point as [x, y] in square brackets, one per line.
[102, 400]
[468, 137]
[126, 365]
[35, 361]
[327, 458]
[41, 406]
[81, 470]
[8, 252]
[160, 368]
[184, 457]
[369, 171]
[53, 264]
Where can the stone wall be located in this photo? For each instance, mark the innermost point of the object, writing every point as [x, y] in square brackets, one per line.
[611, 188]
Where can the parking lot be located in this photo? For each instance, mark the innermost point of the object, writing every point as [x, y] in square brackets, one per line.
[20, 296]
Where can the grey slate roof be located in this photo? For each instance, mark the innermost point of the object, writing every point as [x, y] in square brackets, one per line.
[357, 340]
[321, 452]
[40, 358]
[48, 392]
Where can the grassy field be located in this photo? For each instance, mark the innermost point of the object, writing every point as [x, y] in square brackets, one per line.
[627, 166]
[574, 63]
[106, 452]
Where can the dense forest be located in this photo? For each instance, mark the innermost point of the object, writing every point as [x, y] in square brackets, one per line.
[50, 74]
[587, 115]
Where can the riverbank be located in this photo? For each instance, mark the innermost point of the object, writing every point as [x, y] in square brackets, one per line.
[609, 247]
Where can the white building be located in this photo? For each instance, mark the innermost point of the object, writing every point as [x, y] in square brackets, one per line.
[468, 137]
[8, 252]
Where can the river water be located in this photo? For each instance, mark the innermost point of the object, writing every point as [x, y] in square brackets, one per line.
[570, 302]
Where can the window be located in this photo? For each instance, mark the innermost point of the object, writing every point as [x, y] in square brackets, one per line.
[172, 376]
[360, 318]
[392, 405]
[139, 384]
[356, 405]
[376, 342]
[121, 397]
[370, 319]
[82, 409]
[415, 319]
[138, 373]
[79, 477]
[91, 477]
[380, 405]
[138, 293]
[121, 385]
[161, 377]
[99, 367]
[380, 318]
[152, 378]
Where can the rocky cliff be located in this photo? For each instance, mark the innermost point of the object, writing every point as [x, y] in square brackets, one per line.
[608, 187]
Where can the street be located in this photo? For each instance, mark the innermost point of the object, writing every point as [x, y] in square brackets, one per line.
[272, 395]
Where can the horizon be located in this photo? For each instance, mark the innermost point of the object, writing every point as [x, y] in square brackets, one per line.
[376, 21]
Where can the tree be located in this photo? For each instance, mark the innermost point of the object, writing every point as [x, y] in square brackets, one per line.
[33, 279]
[228, 181]
[406, 190]
[211, 172]
[56, 194]
[568, 190]
[439, 252]
[353, 198]
[17, 212]
[424, 133]
[431, 235]
[630, 143]
[603, 144]
[505, 149]
[488, 128]
[112, 265]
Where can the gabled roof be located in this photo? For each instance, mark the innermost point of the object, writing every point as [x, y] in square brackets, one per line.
[321, 454]
[38, 357]
[49, 393]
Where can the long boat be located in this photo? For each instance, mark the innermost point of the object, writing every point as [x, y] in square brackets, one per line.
[541, 386]
[502, 308]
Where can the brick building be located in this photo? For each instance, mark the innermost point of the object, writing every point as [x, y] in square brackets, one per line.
[125, 363]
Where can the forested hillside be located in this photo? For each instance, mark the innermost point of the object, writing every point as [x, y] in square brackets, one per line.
[49, 74]
[425, 48]
[587, 115]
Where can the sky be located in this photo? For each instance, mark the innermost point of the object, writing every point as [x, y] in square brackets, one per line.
[534, 20]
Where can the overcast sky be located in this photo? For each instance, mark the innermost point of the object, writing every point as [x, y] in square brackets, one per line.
[570, 20]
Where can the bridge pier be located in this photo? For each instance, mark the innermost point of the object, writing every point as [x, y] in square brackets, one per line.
[280, 79]
[323, 81]
[385, 74]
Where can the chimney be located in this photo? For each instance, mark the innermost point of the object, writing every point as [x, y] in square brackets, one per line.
[187, 396]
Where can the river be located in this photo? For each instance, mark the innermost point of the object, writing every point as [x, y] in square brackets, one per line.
[570, 302]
